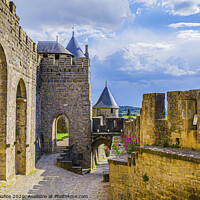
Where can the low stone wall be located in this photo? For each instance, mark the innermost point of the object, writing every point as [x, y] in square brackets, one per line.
[156, 173]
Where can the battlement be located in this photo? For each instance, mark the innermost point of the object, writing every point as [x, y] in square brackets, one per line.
[180, 128]
[9, 12]
[11, 5]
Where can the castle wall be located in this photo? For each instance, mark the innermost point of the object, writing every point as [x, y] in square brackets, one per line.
[106, 112]
[66, 90]
[20, 62]
[111, 124]
[178, 129]
[153, 109]
[170, 174]
[132, 128]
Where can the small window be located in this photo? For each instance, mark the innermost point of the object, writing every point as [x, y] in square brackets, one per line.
[45, 56]
[111, 110]
[195, 120]
[57, 56]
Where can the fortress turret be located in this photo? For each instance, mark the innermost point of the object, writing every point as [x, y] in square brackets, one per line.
[106, 105]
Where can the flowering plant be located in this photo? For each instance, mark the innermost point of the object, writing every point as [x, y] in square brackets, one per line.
[105, 147]
[129, 142]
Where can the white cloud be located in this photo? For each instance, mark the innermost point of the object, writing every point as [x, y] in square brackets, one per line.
[174, 7]
[189, 34]
[182, 7]
[149, 61]
[184, 25]
[101, 14]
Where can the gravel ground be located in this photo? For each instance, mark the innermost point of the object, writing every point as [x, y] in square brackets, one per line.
[52, 182]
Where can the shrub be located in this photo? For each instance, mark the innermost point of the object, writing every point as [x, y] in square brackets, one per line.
[145, 177]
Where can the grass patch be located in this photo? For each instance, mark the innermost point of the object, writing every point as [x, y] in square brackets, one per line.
[99, 161]
[126, 117]
[62, 136]
[32, 172]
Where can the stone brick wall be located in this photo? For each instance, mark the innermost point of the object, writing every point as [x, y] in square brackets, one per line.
[132, 128]
[18, 60]
[180, 122]
[106, 112]
[156, 173]
[153, 108]
[178, 129]
[66, 90]
[111, 124]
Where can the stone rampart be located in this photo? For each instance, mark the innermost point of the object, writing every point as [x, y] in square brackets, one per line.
[156, 173]
[112, 124]
[18, 63]
[181, 126]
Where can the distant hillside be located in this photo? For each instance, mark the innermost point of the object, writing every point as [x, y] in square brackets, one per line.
[123, 110]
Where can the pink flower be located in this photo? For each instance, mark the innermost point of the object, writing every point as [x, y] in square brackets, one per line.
[116, 144]
[158, 135]
[136, 140]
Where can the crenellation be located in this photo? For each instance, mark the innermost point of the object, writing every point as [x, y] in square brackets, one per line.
[12, 6]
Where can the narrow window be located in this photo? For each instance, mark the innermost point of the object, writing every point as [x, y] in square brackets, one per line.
[57, 56]
[45, 56]
[111, 110]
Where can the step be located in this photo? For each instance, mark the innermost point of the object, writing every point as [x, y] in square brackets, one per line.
[86, 171]
[62, 155]
[66, 151]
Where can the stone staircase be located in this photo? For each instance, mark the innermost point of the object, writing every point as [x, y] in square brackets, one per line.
[65, 160]
[60, 149]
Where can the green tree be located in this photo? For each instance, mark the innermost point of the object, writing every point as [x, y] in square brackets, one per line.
[129, 113]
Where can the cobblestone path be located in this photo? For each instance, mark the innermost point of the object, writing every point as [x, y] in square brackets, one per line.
[52, 180]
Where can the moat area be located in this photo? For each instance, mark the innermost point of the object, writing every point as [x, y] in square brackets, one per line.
[50, 179]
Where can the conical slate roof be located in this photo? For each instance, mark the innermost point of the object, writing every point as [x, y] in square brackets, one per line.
[52, 47]
[74, 47]
[106, 100]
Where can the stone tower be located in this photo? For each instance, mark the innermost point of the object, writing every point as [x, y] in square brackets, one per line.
[106, 105]
[64, 89]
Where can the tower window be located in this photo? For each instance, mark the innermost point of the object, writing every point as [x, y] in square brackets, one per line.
[111, 110]
[57, 56]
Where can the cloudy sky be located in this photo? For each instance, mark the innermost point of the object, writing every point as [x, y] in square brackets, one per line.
[138, 46]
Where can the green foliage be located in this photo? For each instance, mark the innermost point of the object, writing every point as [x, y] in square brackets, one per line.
[62, 136]
[155, 144]
[165, 143]
[145, 177]
[176, 146]
[124, 109]
[146, 144]
[32, 172]
[17, 132]
[193, 149]
[134, 163]
[129, 114]
[116, 148]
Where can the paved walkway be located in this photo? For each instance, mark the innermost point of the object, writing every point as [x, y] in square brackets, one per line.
[52, 180]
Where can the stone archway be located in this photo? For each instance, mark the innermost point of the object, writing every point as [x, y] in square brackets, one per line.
[21, 118]
[95, 146]
[60, 127]
[3, 112]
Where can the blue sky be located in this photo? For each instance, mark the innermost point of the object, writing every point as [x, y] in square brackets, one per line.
[138, 46]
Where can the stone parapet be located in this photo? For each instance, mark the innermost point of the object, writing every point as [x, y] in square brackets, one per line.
[156, 173]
